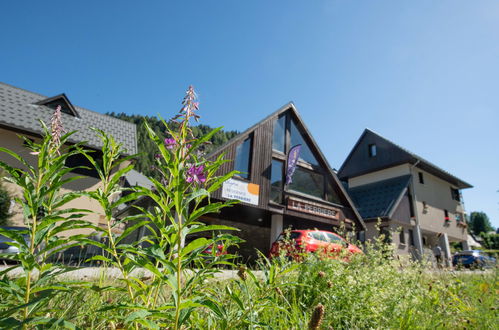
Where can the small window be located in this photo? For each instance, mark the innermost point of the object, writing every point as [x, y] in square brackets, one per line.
[276, 181]
[402, 237]
[421, 178]
[455, 194]
[411, 237]
[243, 158]
[372, 150]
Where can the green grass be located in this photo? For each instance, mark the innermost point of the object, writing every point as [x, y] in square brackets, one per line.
[370, 292]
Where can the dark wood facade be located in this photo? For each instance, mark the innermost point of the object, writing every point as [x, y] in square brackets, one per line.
[298, 209]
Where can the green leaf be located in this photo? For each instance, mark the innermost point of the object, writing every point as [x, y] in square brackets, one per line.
[196, 244]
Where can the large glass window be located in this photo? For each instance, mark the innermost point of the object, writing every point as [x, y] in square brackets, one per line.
[279, 138]
[276, 181]
[297, 138]
[243, 158]
[332, 196]
[308, 182]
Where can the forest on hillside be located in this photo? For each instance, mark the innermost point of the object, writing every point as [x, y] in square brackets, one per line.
[146, 147]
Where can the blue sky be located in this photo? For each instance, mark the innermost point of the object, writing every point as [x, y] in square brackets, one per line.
[424, 74]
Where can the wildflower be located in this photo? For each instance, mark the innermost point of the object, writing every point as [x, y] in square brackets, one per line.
[170, 143]
[242, 273]
[317, 317]
[321, 274]
[196, 174]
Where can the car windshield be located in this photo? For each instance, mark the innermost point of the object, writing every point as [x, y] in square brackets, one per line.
[333, 238]
[318, 236]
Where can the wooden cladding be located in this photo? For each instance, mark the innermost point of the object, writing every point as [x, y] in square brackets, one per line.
[261, 159]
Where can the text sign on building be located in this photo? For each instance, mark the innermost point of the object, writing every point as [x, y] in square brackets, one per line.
[313, 208]
[242, 191]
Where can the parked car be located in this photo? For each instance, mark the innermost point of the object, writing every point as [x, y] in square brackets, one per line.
[295, 242]
[7, 249]
[473, 259]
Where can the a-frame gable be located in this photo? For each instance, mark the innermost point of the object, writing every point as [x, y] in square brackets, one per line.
[372, 152]
[262, 135]
[60, 100]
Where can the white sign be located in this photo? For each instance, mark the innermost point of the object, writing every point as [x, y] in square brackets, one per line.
[242, 191]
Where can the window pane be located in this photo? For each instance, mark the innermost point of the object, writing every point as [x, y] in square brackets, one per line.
[308, 182]
[333, 238]
[318, 236]
[243, 158]
[279, 134]
[297, 138]
[332, 196]
[276, 181]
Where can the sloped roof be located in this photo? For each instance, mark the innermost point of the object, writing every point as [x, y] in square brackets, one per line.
[135, 178]
[19, 110]
[381, 198]
[397, 155]
[290, 107]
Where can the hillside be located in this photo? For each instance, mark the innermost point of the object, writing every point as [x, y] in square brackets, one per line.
[146, 147]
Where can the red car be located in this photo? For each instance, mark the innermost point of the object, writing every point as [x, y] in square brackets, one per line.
[325, 243]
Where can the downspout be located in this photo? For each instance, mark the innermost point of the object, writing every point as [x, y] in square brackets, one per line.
[419, 240]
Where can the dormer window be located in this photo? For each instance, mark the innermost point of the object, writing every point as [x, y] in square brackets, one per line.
[372, 150]
[62, 101]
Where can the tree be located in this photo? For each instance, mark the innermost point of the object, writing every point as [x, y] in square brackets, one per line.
[479, 223]
[4, 203]
[491, 241]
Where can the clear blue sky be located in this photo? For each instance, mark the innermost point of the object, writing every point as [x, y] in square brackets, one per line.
[424, 74]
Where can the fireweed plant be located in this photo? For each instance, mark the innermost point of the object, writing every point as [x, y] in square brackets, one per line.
[46, 217]
[182, 195]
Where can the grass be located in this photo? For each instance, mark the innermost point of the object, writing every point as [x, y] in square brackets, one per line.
[370, 292]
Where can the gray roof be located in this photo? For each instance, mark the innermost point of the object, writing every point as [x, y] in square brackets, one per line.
[379, 199]
[18, 110]
[135, 178]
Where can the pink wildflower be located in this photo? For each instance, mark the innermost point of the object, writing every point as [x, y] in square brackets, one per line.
[196, 174]
[170, 143]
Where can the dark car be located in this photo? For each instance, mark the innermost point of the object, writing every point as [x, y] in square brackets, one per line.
[473, 259]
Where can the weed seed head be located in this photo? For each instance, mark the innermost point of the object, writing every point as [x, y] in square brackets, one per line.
[242, 273]
[317, 317]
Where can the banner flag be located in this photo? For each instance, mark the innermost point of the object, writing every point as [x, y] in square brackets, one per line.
[293, 155]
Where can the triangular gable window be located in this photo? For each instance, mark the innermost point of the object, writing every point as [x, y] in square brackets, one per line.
[297, 138]
[59, 100]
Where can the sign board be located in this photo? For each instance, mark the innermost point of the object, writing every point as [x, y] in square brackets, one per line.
[242, 191]
[313, 208]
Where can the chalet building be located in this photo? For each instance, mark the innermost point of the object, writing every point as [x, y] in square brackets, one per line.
[20, 114]
[274, 194]
[406, 192]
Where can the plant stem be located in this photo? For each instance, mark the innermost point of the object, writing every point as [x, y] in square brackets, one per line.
[179, 269]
